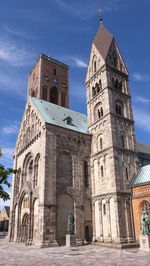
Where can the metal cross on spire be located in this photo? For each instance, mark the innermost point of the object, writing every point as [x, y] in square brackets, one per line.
[100, 10]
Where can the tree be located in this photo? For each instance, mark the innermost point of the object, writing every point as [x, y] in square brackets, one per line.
[4, 174]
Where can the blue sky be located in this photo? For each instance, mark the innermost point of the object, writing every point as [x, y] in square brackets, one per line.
[64, 29]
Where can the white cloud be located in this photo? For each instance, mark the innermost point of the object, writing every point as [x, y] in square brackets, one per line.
[73, 61]
[141, 77]
[142, 119]
[19, 33]
[10, 129]
[14, 55]
[76, 62]
[142, 99]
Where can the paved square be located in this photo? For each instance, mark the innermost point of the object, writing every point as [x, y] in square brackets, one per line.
[21, 255]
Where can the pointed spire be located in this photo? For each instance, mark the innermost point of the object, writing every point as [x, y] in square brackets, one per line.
[103, 40]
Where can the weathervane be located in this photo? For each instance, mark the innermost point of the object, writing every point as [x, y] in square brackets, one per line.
[100, 10]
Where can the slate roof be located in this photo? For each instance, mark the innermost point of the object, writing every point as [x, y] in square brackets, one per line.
[59, 116]
[103, 40]
[143, 148]
[142, 178]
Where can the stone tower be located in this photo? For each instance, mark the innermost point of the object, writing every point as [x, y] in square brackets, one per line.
[48, 81]
[113, 157]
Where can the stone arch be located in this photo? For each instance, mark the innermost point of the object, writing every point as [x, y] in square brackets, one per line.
[100, 142]
[65, 205]
[53, 95]
[98, 111]
[25, 227]
[27, 168]
[36, 170]
[119, 107]
[144, 205]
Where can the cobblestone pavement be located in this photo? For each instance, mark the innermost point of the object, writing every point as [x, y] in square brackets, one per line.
[21, 255]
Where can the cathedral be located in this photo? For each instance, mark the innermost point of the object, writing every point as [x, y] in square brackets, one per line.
[68, 162]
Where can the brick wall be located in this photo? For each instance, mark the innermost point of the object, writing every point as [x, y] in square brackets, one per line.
[139, 195]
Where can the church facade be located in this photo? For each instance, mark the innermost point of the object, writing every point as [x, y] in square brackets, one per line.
[71, 163]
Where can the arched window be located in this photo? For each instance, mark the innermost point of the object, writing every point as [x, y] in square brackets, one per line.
[120, 85]
[127, 173]
[113, 82]
[102, 171]
[100, 84]
[54, 95]
[101, 111]
[86, 179]
[45, 93]
[104, 209]
[146, 207]
[94, 66]
[63, 99]
[54, 71]
[27, 170]
[30, 167]
[119, 108]
[122, 142]
[26, 201]
[116, 84]
[101, 143]
[36, 171]
[93, 91]
[99, 114]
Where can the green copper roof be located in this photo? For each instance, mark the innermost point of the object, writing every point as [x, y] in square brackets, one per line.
[142, 177]
[60, 116]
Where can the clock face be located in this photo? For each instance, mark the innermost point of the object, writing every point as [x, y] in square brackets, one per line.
[46, 78]
[64, 85]
[55, 81]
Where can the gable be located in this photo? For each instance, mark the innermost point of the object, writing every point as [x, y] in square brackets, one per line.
[95, 57]
[115, 59]
[30, 126]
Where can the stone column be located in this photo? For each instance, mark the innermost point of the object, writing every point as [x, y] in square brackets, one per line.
[101, 222]
[117, 240]
[93, 218]
[129, 222]
[109, 239]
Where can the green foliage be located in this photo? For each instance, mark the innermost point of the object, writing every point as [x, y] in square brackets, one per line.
[4, 174]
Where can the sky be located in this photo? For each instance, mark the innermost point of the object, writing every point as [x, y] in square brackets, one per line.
[64, 30]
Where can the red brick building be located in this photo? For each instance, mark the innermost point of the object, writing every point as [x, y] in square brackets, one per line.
[140, 187]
